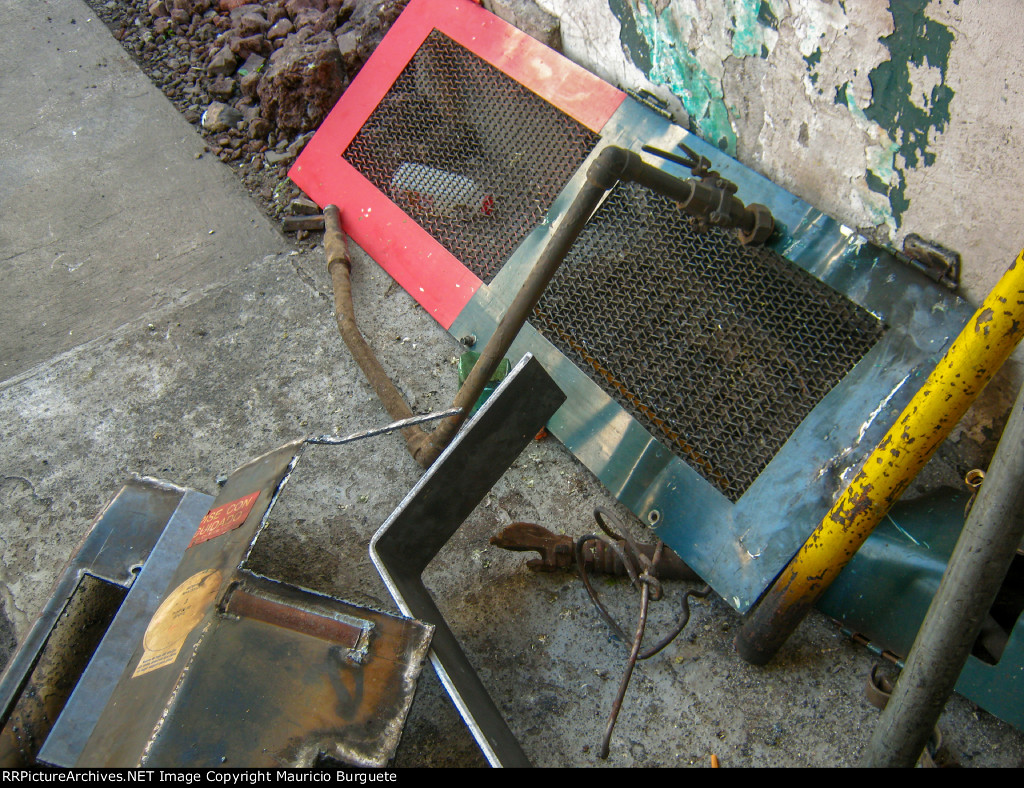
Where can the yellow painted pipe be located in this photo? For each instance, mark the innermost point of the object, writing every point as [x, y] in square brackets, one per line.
[984, 344]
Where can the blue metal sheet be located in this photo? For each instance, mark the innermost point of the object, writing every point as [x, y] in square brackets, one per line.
[740, 547]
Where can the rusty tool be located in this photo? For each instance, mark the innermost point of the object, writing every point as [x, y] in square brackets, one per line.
[609, 553]
[557, 551]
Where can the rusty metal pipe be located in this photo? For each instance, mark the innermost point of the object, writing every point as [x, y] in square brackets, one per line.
[967, 366]
[972, 579]
[339, 266]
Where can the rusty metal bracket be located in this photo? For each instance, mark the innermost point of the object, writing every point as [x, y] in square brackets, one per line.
[435, 509]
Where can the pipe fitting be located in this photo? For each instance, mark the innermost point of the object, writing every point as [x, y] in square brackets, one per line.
[610, 166]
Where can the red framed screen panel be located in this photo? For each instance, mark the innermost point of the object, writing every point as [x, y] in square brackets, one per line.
[421, 265]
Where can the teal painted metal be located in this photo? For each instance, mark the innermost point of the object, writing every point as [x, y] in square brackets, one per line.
[466, 363]
[739, 549]
[884, 594]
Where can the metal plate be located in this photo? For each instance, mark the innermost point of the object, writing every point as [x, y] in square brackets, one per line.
[885, 591]
[76, 722]
[740, 510]
[232, 669]
[739, 546]
[119, 541]
[267, 690]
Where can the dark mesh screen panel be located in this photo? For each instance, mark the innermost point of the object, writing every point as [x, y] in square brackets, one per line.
[473, 156]
[719, 350]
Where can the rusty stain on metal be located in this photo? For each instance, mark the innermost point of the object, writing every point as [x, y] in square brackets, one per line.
[244, 604]
[982, 321]
[271, 674]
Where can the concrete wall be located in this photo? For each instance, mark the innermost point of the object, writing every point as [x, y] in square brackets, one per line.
[893, 116]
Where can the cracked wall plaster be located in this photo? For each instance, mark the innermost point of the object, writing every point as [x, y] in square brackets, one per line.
[892, 117]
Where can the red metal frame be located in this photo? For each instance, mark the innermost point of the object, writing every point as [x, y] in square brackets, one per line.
[428, 271]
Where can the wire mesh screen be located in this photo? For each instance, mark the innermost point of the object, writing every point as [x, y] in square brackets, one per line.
[719, 350]
[469, 153]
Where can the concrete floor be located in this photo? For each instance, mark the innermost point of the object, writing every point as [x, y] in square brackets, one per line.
[136, 341]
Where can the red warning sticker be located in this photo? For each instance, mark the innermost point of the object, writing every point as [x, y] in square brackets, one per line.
[224, 518]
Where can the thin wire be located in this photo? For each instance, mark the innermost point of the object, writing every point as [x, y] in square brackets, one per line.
[335, 440]
[642, 571]
[645, 595]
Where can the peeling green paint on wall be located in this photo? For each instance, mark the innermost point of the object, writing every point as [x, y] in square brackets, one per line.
[652, 38]
[633, 44]
[880, 173]
[923, 43]
[748, 28]
[766, 16]
[918, 45]
[812, 61]
[655, 44]
[909, 104]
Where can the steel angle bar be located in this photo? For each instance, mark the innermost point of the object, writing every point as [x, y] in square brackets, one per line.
[92, 588]
[77, 720]
[435, 509]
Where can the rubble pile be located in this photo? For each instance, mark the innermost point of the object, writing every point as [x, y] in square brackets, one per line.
[256, 78]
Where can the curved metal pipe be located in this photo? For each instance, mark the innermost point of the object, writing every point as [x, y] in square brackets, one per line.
[339, 266]
[613, 164]
[601, 176]
[714, 202]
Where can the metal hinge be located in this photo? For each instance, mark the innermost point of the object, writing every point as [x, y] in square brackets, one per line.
[934, 261]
